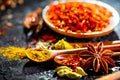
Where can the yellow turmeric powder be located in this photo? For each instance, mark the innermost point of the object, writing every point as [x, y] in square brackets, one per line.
[62, 44]
[38, 56]
[14, 53]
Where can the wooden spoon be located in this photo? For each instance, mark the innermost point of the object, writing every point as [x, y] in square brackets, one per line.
[113, 45]
[58, 52]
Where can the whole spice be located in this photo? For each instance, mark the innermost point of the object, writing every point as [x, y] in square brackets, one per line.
[64, 71]
[98, 58]
[80, 71]
[73, 75]
[79, 17]
[33, 21]
[63, 67]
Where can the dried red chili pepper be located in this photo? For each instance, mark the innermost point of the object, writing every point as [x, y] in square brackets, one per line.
[79, 17]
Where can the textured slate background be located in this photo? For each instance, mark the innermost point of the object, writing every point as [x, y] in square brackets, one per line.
[28, 70]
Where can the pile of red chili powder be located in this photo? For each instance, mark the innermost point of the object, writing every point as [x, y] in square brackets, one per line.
[79, 17]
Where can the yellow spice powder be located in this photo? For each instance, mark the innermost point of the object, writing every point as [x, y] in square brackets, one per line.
[14, 53]
[38, 56]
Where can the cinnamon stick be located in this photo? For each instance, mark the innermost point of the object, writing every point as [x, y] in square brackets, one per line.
[112, 76]
[113, 45]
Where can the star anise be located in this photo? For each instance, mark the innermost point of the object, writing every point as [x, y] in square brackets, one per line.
[97, 57]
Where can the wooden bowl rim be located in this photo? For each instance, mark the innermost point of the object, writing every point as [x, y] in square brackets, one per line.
[114, 21]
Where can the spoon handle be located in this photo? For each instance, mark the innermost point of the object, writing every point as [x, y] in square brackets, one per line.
[113, 47]
[84, 44]
[56, 52]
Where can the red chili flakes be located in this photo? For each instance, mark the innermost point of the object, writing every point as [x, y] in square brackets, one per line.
[79, 17]
[73, 61]
[48, 37]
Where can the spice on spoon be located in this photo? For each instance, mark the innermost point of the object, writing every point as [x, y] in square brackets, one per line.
[38, 55]
[72, 60]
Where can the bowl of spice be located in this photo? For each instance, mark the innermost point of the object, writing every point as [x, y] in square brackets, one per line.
[69, 59]
[79, 19]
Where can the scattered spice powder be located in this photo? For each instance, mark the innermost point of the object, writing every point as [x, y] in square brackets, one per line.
[15, 53]
[79, 17]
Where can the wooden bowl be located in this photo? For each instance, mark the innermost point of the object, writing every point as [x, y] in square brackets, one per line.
[114, 20]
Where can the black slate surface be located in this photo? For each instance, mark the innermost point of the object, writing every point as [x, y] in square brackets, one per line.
[28, 70]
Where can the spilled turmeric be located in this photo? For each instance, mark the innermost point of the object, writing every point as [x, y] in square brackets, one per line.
[15, 53]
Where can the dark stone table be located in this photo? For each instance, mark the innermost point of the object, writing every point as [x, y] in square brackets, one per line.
[26, 69]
